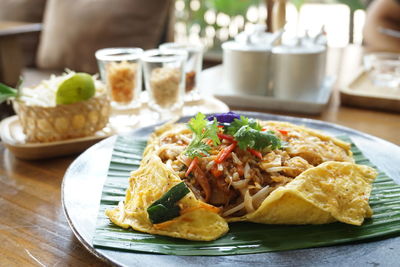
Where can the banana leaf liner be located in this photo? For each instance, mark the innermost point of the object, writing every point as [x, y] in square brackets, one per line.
[332, 191]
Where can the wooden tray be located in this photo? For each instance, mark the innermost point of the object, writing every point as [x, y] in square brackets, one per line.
[14, 139]
[361, 92]
[210, 82]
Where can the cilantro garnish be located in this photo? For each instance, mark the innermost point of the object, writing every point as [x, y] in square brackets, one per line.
[248, 137]
[202, 128]
[244, 121]
[246, 132]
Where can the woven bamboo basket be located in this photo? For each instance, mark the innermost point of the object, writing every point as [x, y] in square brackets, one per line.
[49, 124]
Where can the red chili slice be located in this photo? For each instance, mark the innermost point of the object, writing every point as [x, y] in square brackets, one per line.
[255, 152]
[224, 153]
[284, 132]
[192, 165]
[226, 137]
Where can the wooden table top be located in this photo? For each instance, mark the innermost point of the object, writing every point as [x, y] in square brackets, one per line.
[33, 228]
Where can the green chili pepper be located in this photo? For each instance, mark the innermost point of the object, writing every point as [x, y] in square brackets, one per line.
[165, 208]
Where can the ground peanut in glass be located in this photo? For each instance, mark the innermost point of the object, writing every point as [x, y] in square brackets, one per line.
[121, 80]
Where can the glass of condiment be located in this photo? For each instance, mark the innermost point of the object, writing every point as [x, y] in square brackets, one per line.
[121, 71]
[192, 68]
[384, 69]
[164, 81]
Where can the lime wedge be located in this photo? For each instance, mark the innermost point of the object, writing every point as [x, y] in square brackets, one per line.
[79, 87]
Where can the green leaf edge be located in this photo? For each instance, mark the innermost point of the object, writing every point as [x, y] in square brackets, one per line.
[381, 225]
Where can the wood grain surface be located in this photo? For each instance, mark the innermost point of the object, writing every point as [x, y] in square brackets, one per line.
[33, 228]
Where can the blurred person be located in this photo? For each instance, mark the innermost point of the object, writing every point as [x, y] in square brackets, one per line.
[382, 26]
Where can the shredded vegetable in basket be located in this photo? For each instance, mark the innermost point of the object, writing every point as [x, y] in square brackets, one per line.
[44, 94]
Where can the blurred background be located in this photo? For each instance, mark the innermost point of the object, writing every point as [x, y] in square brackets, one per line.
[41, 37]
[68, 35]
[215, 21]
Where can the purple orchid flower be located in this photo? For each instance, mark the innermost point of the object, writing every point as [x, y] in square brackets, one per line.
[224, 117]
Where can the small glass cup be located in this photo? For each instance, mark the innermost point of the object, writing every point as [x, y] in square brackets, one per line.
[193, 66]
[120, 70]
[384, 69]
[164, 81]
[387, 74]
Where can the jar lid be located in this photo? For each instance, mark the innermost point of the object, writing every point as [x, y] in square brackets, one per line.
[252, 39]
[232, 45]
[299, 49]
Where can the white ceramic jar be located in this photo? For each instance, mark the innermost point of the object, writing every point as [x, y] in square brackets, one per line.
[246, 70]
[298, 71]
[246, 62]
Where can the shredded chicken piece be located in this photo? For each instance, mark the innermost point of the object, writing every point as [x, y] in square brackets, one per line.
[240, 184]
[236, 159]
[281, 179]
[297, 165]
[271, 160]
[170, 151]
[247, 171]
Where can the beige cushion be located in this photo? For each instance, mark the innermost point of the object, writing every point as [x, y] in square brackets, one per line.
[28, 11]
[74, 30]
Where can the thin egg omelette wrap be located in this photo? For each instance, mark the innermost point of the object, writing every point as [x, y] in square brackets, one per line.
[310, 180]
[199, 220]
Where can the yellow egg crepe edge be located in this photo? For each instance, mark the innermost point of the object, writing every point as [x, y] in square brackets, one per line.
[323, 194]
[148, 184]
[313, 132]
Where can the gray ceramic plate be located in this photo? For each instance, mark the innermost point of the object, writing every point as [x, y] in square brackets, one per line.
[83, 183]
